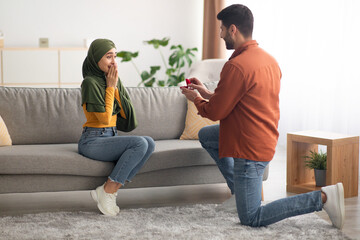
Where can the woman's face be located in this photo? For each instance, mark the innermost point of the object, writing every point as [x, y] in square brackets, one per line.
[108, 60]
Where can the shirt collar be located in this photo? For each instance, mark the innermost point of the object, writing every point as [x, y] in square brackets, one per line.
[243, 47]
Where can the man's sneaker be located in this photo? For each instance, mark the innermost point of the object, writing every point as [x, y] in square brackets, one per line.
[106, 202]
[334, 205]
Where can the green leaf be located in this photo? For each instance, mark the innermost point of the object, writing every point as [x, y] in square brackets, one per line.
[177, 47]
[188, 59]
[150, 82]
[173, 59]
[161, 83]
[156, 42]
[170, 71]
[127, 56]
[182, 63]
[154, 69]
[164, 42]
[180, 78]
[176, 57]
[145, 75]
[172, 80]
[189, 55]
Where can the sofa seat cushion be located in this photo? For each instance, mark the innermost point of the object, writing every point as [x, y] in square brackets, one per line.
[177, 153]
[63, 159]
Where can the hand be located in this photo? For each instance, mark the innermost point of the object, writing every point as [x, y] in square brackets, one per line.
[112, 76]
[198, 85]
[190, 94]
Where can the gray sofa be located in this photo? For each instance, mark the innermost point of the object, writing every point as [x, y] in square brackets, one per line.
[45, 125]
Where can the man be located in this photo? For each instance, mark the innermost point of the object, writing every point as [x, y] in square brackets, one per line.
[246, 101]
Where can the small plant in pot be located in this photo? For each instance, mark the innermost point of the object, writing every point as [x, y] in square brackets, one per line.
[317, 161]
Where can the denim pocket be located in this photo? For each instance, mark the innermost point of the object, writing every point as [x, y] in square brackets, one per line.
[260, 167]
[245, 168]
[249, 168]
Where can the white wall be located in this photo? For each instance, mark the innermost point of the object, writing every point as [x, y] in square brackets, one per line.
[127, 22]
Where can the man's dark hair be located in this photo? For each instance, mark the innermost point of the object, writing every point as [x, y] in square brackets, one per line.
[240, 16]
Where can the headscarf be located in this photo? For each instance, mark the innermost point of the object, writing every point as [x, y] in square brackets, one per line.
[94, 85]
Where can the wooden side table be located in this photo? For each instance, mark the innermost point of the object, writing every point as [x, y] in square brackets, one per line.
[342, 161]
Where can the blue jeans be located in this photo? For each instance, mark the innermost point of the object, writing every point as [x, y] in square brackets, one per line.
[128, 152]
[245, 178]
[209, 139]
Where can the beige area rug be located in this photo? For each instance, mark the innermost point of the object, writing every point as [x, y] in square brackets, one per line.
[202, 221]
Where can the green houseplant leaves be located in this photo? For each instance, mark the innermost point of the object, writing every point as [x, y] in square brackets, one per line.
[316, 160]
[177, 60]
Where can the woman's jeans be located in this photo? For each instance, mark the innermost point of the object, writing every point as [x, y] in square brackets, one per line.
[244, 178]
[128, 152]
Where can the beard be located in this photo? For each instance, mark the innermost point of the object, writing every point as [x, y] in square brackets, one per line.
[229, 43]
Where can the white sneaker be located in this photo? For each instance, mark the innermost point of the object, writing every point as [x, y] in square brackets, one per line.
[334, 205]
[116, 208]
[106, 202]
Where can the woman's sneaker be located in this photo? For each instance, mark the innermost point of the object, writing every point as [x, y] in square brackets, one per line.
[106, 202]
[334, 205]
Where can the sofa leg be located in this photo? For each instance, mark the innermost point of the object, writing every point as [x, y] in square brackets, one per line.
[262, 192]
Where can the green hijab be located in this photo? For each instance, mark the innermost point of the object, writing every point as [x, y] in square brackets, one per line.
[94, 85]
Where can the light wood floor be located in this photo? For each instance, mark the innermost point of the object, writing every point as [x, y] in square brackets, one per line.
[274, 188]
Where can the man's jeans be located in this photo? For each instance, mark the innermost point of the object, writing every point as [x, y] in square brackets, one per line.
[244, 178]
[128, 152]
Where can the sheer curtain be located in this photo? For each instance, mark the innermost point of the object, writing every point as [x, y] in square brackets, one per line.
[317, 45]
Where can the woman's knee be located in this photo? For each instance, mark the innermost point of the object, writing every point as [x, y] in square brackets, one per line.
[151, 143]
[139, 143]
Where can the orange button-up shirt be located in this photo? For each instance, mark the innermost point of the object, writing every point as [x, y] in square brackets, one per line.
[246, 101]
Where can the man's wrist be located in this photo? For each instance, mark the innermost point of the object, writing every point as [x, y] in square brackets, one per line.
[198, 98]
[208, 94]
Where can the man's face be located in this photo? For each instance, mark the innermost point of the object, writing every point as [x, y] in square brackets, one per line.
[224, 34]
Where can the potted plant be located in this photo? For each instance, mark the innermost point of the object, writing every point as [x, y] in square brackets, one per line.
[317, 161]
[173, 68]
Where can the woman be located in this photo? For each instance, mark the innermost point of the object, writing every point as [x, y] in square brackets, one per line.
[108, 108]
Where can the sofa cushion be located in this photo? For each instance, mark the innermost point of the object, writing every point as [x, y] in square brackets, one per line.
[42, 115]
[194, 122]
[49, 159]
[177, 153]
[160, 112]
[63, 159]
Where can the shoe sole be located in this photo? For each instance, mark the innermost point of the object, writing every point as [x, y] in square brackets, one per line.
[340, 188]
[94, 194]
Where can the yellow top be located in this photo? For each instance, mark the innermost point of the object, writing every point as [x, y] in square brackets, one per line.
[104, 119]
